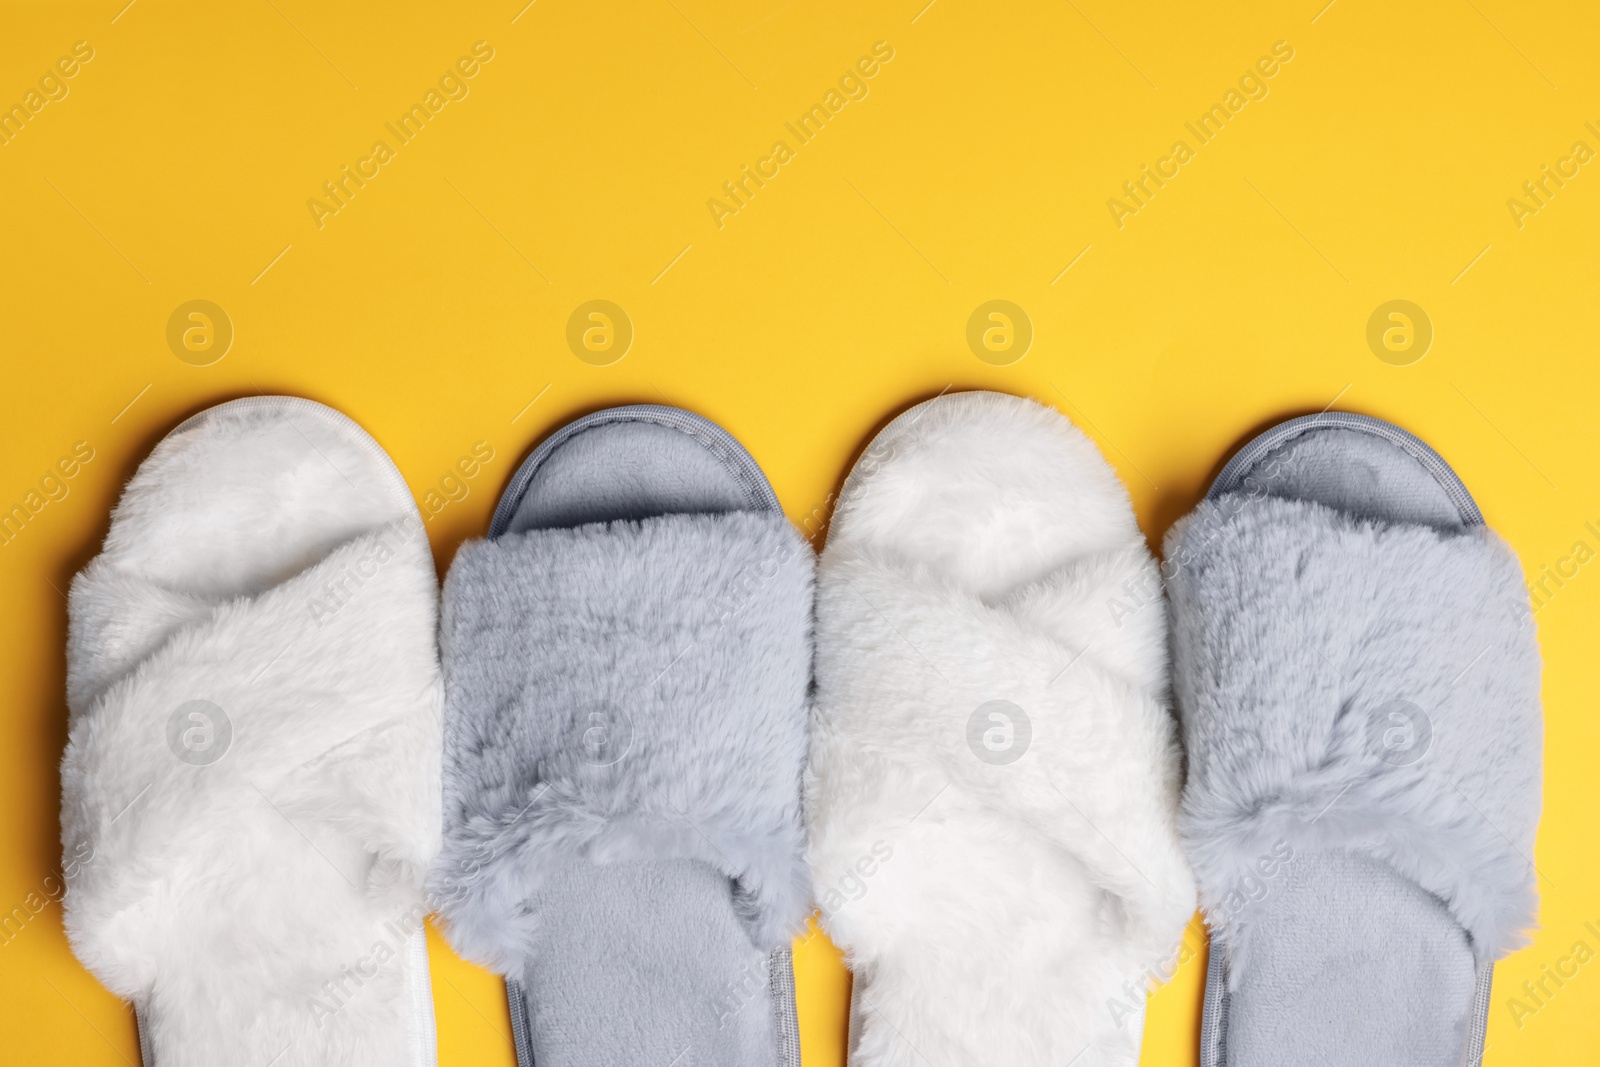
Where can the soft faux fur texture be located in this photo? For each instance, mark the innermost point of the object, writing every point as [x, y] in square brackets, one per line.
[687, 637]
[1295, 628]
[261, 905]
[993, 914]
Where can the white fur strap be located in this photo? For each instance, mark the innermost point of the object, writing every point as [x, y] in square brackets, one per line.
[989, 701]
[260, 765]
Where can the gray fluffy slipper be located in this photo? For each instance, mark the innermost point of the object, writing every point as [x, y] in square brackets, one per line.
[1358, 679]
[627, 658]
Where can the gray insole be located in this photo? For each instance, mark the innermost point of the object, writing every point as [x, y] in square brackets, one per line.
[625, 470]
[1356, 472]
[643, 962]
[1350, 964]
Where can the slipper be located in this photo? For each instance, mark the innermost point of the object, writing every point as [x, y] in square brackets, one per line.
[250, 791]
[994, 774]
[1358, 680]
[627, 659]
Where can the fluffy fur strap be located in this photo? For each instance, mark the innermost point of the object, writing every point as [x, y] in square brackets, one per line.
[1348, 684]
[939, 655]
[239, 769]
[1040, 846]
[630, 691]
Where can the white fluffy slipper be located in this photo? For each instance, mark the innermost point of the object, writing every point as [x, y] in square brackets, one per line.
[250, 791]
[994, 773]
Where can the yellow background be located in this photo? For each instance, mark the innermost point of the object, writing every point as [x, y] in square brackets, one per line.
[433, 307]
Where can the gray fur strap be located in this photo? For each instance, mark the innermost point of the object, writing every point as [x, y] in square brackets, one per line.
[618, 692]
[1348, 684]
